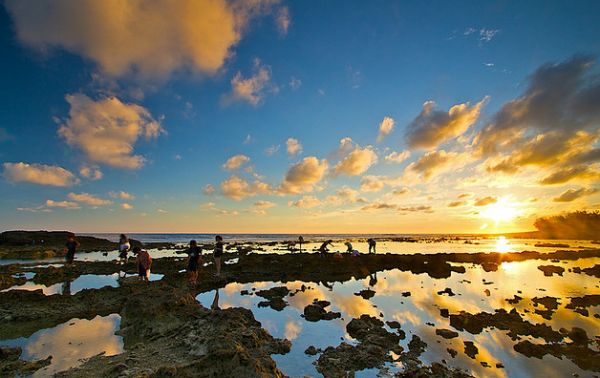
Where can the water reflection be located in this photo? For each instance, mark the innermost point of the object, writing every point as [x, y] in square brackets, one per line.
[420, 313]
[70, 342]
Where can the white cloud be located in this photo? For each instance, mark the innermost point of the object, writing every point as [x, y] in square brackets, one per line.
[235, 162]
[92, 173]
[306, 202]
[39, 174]
[62, 204]
[295, 83]
[252, 89]
[397, 157]
[293, 146]
[121, 195]
[162, 211]
[272, 150]
[385, 128]
[107, 129]
[88, 199]
[303, 176]
[148, 38]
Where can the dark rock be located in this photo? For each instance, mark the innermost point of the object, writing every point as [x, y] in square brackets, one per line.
[366, 293]
[470, 349]
[446, 333]
[446, 291]
[549, 270]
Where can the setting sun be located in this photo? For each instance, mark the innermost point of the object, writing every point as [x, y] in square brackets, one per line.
[502, 211]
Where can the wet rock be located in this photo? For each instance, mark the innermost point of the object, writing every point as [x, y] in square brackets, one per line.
[366, 293]
[274, 297]
[435, 370]
[417, 346]
[393, 324]
[311, 350]
[503, 320]
[550, 303]
[452, 352]
[490, 266]
[514, 300]
[316, 311]
[446, 291]
[582, 311]
[579, 336]
[552, 245]
[581, 355]
[549, 270]
[444, 312]
[12, 366]
[446, 333]
[579, 304]
[499, 365]
[470, 349]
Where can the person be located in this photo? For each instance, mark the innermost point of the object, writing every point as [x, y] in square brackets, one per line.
[70, 248]
[194, 258]
[323, 248]
[372, 245]
[300, 241]
[144, 261]
[349, 246]
[218, 253]
[124, 247]
[215, 302]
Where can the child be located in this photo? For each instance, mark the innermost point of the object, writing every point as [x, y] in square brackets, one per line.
[144, 261]
[124, 247]
[218, 253]
[194, 259]
[70, 249]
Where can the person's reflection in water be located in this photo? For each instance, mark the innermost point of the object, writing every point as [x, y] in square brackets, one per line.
[373, 279]
[66, 287]
[215, 303]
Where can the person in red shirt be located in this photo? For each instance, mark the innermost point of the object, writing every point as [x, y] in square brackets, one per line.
[144, 261]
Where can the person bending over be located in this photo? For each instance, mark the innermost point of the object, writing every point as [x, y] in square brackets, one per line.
[144, 261]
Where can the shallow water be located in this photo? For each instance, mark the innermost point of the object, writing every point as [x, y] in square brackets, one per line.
[70, 342]
[422, 307]
[86, 281]
[424, 245]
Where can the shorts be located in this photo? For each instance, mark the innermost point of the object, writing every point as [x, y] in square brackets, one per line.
[69, 257]
[217, 254]
[143, 272]
[192, 267]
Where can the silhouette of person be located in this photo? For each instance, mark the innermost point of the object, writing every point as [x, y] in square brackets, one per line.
[372, 245]
[215, 302]
[300, 240]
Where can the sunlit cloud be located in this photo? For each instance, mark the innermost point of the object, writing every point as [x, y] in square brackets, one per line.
[150, 39]
[433, 127]
[356, 160]
[252, 89]
[62, 204]
[435, 162]
[304, 176]
[582, 173]
[397, 157]
[107, 129]
[385, 128]
[208, 189]
[306, 202]
[484, 201]
[371, 183]
[293, 146]
[238, 188]
[121, 195]
[126, 206]
[235, 162]
[89, 199]
[283, 20]
[40, 174]
[90, 172]
[573, 194]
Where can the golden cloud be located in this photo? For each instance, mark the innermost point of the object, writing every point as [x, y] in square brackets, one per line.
[573, 194]
[303, 176]
[40, 174]
[356, 160]
[237, 188]
[88, 199]
[385, 128]
[293, 146]
[235, 162]
[107, 129]
[432, 127]
[149, 38]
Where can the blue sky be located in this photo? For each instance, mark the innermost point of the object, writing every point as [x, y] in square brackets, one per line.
[313, 71]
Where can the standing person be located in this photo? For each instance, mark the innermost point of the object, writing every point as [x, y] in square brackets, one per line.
[70, 248]
[124, 247]
[349, 246]
[323, 248]
[144, 261]
[218, 253]
[300, 240]
[372, 245]
[194, 258]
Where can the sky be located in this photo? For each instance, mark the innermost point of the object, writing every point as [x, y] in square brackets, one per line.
[270, 116]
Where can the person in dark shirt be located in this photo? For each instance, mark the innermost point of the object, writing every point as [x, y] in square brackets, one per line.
[372, 245]
[70, 248]
[323, 248]
[300, 240]
[218, 253]
[194, 259]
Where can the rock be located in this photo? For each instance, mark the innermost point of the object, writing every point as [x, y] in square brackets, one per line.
[366, 293]
[316, 311]
[470, 349]
[549, 270]
[311, 350]
[514, 300]
[406, 294]
[275, 297]
[446, 291]
[452, 352]
[490, 266]
[446, 333]
[444, 313]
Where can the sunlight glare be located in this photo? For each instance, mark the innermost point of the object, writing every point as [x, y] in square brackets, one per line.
[502, 245]
[501, 212]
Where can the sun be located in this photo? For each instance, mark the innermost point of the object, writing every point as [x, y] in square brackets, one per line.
[502, 211]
